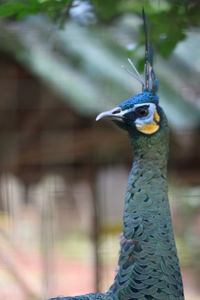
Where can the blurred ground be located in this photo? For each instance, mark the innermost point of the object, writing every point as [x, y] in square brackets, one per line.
[23, 274]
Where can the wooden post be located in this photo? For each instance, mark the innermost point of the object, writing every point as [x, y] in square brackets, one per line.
[95, 227]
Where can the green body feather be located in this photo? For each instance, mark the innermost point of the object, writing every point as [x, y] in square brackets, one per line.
[148, 262]
[148, 265]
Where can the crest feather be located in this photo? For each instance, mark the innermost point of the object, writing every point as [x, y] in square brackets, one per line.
[150, 79]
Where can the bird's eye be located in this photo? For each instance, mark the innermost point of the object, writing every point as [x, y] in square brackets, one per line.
[142, 111]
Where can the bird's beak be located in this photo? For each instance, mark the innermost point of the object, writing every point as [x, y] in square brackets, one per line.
[114, 114]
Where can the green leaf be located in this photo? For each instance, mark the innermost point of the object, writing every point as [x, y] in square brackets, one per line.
[10, 9]
[106, 10]
[20, 9]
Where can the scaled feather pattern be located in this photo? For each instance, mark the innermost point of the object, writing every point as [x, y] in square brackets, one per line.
[148, 266]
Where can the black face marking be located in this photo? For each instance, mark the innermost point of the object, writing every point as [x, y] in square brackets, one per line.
[142, 111]
[117, 111]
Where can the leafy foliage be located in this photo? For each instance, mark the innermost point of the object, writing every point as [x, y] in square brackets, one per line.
[21, 8]
[169, 18]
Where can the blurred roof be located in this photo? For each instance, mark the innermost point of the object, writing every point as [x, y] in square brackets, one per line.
[83, 65]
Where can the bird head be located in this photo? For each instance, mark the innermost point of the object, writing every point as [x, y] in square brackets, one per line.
[139, 114]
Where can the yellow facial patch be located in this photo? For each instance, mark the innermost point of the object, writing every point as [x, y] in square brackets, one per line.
[148, 128]
[152, 127]
[156, 116]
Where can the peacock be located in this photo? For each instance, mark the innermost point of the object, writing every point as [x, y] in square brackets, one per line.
[148, 266]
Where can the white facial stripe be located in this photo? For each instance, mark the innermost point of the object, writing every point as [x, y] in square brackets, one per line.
[148, 118]
[117, 118]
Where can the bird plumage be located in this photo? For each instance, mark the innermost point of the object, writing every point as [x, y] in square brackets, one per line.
[148, 263]
[148, 266]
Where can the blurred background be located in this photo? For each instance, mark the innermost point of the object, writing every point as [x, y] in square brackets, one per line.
[62, 175]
